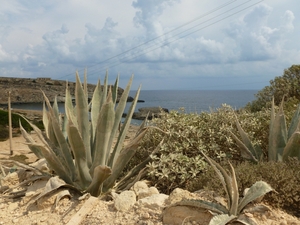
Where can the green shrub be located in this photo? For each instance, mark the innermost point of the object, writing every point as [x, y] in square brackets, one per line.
[283, 177]
[14, 120]
[233, 210]
[179, 160]
[285, 85]
[4, 133]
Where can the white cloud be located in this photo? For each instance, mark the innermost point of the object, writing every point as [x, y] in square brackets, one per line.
[42, 39]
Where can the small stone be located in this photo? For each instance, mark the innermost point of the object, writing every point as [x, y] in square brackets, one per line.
[139, 185]
[145, 215]
[125, 200]
[154, 202]
[147, 192]
[15, 220]
[283, 223]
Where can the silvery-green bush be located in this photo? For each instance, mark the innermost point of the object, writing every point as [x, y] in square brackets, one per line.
[179, 160]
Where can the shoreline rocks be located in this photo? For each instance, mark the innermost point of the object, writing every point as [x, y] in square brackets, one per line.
[154, 112]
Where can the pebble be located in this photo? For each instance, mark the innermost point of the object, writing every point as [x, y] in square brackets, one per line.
[145, 215]
[15, 220]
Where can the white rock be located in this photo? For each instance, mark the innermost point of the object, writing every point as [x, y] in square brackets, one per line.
[41, 164]
[139, 186]
[156, 201]
[147, 192]
[125, 200]
[177, 215]
[178, 194]
[11, 179]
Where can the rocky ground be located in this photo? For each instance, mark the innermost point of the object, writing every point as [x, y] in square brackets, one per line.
[143, 204]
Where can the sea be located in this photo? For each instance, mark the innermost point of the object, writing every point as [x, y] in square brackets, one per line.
[193, 101]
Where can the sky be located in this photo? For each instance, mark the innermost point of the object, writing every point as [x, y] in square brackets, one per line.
[166, 44]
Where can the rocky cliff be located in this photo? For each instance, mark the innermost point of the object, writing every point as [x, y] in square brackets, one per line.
[28, 90]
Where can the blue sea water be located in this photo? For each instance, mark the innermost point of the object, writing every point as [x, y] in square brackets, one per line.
[195, 101]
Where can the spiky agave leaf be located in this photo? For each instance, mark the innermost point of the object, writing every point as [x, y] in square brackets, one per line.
[256, 152]
[222, 219]
[103, 132]
[245, 152]
[53, 184]
[118, 116]
[292, 148]
[119, 111]
[63, 149]
[115, 90]
[95, 109]
[234, 192]
[101, 173]
[82, 111]
[245, 220]
[229, 184]
[278, 133]
[123, 158]
[123, 183]
[78, 148]
[199, 203]
[29, 139]
[294, 122]
[45, 119]
[257, 190]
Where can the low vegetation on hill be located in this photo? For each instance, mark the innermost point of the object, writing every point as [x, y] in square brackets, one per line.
[178, 163]
[175, 150]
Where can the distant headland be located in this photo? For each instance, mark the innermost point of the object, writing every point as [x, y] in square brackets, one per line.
[28, 90]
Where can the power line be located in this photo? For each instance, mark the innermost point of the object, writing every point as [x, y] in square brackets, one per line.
[151, 40]
[219, 20]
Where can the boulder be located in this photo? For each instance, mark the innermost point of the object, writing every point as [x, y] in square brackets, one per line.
[177, 215]
[156, 201]
[154, 112]
[125, 200]
[142, 190]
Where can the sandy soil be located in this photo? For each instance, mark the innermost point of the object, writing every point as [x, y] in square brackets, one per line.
[74, 209]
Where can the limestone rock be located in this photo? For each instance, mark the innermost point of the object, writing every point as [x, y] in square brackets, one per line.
[178, 194]
[177, 215]
[156, 201]
[154, 112]
[125, 200]
[139, 186]
[142, 190]
[147, 192]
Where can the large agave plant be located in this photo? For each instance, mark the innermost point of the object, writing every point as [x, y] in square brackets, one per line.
[80, 147]
[283, 142]
[233, 211]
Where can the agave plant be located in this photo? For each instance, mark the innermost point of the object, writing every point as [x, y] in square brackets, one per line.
[283, 143]
[80, 147]
[233, 211]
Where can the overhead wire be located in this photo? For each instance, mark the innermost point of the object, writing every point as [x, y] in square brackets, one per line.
[127, 59]
[167, 43]
[153, 39]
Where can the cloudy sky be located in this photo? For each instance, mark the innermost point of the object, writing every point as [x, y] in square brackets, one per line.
[166, 44]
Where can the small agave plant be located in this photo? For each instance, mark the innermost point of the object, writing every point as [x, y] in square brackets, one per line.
[233, 211]
[80, 147]
[283, 142]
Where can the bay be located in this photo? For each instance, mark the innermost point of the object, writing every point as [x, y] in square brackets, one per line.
[193, 101]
